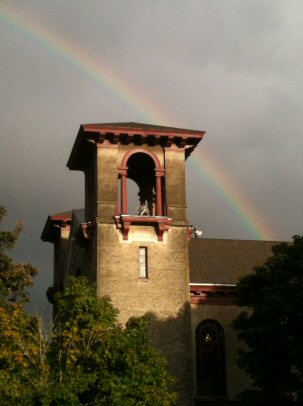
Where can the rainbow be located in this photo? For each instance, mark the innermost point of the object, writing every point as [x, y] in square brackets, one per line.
[116, 86]
[86, 64]
[226, 188]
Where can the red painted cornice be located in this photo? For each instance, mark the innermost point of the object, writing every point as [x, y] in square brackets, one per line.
[53, 224]
[216, 294]
[129, 133]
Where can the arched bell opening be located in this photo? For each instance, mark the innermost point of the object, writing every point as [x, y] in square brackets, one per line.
[143, 168]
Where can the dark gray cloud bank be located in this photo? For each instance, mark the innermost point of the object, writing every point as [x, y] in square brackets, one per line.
[232, 68]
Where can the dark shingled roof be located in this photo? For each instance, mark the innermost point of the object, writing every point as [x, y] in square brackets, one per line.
[141, 126]
[225, 261]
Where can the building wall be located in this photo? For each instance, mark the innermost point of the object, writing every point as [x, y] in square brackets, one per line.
[60, 257]
[236, 379]
[164, 294]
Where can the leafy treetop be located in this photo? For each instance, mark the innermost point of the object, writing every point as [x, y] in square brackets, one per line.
[87, 358]
[14, 278]
[272, 325]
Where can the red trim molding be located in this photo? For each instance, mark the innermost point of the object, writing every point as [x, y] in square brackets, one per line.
[144, 151]
[216, 294]
[85, 231]
[190, 231]
[54, 223]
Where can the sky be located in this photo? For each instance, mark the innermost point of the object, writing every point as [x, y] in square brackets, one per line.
[232, 68]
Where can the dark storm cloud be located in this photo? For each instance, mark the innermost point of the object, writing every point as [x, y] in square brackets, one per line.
[231, 68]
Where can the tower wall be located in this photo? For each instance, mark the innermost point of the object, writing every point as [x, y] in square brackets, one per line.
[175, 185]
[121, 242]
[107, 183]
[163, 295]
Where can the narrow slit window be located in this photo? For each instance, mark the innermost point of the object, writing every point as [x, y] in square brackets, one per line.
[143, 262]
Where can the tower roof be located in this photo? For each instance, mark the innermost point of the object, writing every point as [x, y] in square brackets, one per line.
[130, 132]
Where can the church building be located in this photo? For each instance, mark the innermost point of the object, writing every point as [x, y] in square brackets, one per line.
[134, 240]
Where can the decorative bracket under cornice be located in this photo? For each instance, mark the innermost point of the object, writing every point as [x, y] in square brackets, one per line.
[161, 224]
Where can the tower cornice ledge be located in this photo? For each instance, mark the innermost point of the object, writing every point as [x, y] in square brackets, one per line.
[127, 133]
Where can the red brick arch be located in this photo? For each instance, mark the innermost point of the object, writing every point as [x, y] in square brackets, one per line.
[143, 151]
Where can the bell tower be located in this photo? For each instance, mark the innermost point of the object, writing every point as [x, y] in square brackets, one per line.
[136, 220]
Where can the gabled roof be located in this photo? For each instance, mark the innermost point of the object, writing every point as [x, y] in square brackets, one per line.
[126, 133]
[225, 261]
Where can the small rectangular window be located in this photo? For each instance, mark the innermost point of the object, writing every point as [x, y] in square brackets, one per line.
[143, 262]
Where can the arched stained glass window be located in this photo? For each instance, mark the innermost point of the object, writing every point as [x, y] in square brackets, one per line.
[210, 359]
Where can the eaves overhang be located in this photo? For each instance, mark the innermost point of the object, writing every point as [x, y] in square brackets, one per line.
[126, 133]
[54, 223]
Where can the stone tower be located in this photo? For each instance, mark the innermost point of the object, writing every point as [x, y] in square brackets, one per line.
[139, 255]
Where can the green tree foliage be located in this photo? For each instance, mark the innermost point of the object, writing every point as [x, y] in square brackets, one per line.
[88, 358]
[20, 353]
[14, 278]
[96, 361]
[272, 326]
